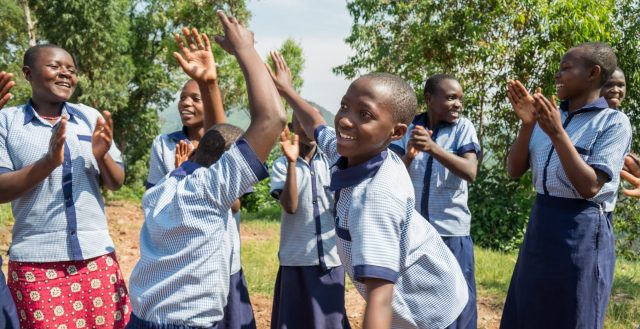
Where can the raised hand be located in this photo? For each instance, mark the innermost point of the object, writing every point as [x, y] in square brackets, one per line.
[282, 77]
[421, 140]
[290, 145]
[522, 102]
[55, 155]
[5, 85]
[102, 136]
[183, 152]
[236, 37]
[548, 115]
[197, 58]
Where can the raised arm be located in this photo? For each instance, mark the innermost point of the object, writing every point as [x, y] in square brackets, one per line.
[268, 117]
[309, 117]
[291, 150]
[522, 103]
[197, 62]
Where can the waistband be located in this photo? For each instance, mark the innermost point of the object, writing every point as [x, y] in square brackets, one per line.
[555, 201]
[137, 323]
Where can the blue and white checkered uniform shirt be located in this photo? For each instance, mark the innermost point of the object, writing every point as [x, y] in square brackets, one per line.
[602, 137]
[307, 237]
[234, 230]
[163, 155]
[441, 196]
[381, 235]
[62, 218]
[182, 277]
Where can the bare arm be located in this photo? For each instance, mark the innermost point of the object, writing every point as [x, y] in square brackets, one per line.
[378, 312]
[198, 63]
[291, 149]
[15, 184]
[522, 103]
[267, 112]
[465, 166]
[309, 117]
[111, 173]
[584, 178]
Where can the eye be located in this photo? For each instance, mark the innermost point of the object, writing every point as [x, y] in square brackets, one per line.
[366, 114]
[182, 98]
[53, 66]
[196, 98]
[343, 107]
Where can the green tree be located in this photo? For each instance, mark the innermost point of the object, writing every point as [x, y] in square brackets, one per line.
[486, 43]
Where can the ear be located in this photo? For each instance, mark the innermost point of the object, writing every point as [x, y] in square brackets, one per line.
[399, 130]
[26, 72]
[595, 73]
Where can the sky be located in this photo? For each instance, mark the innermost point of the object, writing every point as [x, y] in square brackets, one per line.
[320, 27]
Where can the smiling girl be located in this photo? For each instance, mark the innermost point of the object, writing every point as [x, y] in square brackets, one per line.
[54, 157]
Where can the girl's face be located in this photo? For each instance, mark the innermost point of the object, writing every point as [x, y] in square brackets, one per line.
[52, 76]
[574, 75]
[190, 105]
[446, 103]
[615, 89]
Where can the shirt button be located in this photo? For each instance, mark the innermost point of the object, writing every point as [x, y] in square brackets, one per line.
[312, 173]
[73, 233]
[314, 202]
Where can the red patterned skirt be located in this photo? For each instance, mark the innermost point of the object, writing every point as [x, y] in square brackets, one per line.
[72, 294]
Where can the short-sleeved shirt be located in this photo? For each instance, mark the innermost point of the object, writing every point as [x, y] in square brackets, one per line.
[441, 196]
[163, 155]
[182, 277]
[307, 237]
[62, 218]
[602, 137]
[381, 235]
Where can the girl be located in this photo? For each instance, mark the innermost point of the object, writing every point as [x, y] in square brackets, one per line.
[615, 89]
[54, 156]
[564, 272]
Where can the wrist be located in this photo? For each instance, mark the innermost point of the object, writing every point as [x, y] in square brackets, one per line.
[47, 164]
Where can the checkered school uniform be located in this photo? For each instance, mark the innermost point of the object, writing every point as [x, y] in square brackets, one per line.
[309, 290]
[182, 277]
[163, 152]
[441, 197]
[381, 235]
[564, 273]
[60, 225]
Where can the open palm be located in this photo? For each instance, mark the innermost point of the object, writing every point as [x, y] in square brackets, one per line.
[196, 59]
[522, 102]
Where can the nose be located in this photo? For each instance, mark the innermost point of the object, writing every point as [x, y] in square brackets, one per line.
[344, 122]
[187, 101]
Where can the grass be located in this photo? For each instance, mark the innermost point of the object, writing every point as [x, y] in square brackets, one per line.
[493, 273]
[6, 217]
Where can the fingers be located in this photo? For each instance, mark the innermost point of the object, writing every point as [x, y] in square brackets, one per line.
[108, 119]
[634, 180]
[181, 45]
[198, 39]
[207, 44]
[191, 41]
[284, 136]
[5, 82]
[296, 139]
[632, 164]
[223, 19]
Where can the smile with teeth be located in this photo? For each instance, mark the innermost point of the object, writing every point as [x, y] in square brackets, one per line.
[559, 85]
[347, 137]
[185, 112]
[63, 84]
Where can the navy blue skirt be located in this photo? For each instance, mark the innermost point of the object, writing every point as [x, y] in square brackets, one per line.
[309, 297]
[462, 249]
[564, 273]
[137, 323]
[238, 313]
[8, 312]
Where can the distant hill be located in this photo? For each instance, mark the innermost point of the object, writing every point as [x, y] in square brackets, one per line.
[170, 119]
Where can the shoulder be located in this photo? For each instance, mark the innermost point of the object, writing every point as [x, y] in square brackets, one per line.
[7, 114]
[392, 181]
[464, 123]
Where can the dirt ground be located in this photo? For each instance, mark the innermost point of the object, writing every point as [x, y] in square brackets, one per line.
[125, 221]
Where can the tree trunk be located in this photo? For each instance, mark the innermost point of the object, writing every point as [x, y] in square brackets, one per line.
[30, 24]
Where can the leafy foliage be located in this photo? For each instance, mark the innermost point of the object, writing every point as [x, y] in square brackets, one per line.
[485, 44]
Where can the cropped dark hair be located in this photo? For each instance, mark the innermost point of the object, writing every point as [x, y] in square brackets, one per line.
[31, 55]
[215, 142]
[402, 99]
[599, 53]
[432, 83]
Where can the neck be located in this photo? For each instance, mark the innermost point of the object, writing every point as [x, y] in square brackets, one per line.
[433, 121]
[195, 133]
[46, 108]
[583, 99]
[307, 152]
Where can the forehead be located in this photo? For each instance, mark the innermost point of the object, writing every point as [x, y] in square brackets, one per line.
[617, 76]
[574, 56]
[449, 86]
[191, 87]
[367, 92]
[51, 54]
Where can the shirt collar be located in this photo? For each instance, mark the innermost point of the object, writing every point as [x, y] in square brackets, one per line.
[422, 119]
[186, 168]
[347, 177]
[30, 112]
[179, 135]
[597, 105]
